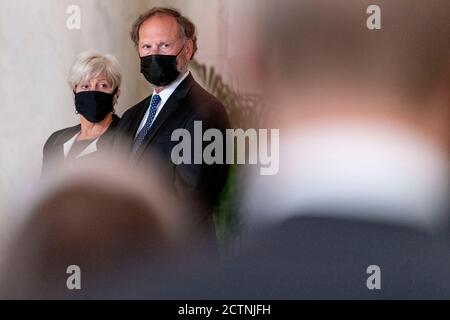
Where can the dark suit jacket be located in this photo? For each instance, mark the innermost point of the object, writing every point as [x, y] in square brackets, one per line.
[188, 103]
[321, 258]
[53, 153]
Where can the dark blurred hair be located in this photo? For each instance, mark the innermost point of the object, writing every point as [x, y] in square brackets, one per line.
[303, 40]
[187, 28]
[106, 220]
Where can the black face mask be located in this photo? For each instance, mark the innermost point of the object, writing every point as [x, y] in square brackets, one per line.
[160, 69]
[94, 105]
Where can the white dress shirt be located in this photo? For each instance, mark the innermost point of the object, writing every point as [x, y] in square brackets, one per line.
[165, 95]
[367, 171]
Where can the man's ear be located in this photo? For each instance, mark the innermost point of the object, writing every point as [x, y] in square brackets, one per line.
[189, 49]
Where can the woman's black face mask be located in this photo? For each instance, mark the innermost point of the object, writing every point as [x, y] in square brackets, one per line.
[160, 70]
[94, 105]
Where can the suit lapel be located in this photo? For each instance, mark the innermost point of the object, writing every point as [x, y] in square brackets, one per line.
[67, 134]
[140, 114]
[172, 104]
[64, 137]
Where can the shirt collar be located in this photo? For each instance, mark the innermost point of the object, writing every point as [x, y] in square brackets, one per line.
[169, 89]
[91, 148]
[367, 171]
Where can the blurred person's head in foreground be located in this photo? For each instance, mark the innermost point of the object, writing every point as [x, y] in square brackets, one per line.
[363, 114]
[103, 217]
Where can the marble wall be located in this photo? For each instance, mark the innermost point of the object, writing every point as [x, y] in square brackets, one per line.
[37, 49]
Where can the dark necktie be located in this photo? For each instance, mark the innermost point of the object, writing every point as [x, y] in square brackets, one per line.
[156, 99]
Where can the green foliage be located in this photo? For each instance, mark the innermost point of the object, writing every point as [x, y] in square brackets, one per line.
[244, 112]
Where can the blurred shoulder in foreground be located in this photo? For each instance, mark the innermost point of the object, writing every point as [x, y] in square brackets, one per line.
[115, 223]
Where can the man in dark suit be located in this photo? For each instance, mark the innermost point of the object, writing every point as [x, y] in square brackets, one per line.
[359, 206]
[319, 258]
[166, 42]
